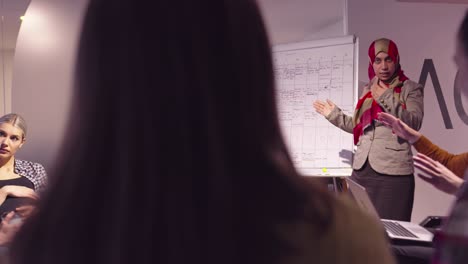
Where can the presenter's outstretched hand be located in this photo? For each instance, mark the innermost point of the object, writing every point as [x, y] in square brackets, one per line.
[399, 127]
[437, 174]
[324, 108]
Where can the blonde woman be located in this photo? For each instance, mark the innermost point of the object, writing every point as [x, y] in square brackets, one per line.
[19, 179]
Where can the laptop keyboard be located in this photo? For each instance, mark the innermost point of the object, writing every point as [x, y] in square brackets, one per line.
[397, 229]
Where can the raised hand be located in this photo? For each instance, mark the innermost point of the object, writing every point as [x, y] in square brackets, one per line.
[19, 191]
[25, 210]
[8, 228]
[437, 174]
[16, 191]
[399, 128]
[324, 108]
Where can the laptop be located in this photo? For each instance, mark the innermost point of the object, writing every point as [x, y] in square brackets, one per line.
[397, 230]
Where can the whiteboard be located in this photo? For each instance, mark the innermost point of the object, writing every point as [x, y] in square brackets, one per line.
[305, 72]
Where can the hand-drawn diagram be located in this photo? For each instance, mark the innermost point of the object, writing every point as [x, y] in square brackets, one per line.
[303, 76]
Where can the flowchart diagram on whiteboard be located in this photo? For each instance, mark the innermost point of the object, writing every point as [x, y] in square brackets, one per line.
[309, 71]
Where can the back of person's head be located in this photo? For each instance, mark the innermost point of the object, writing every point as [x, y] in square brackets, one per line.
[15, 120]
[461, 56]
[175, 153]
[463, 33]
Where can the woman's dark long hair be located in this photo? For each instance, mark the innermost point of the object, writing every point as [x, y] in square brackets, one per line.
[175, 153]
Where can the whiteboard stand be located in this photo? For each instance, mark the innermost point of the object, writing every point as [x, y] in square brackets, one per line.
[335, 185]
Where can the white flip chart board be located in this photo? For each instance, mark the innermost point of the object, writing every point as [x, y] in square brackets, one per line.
[309, 71]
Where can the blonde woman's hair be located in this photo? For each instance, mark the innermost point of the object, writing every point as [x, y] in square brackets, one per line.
[16, 121]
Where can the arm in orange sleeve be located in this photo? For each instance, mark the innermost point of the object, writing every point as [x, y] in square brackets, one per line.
[456, 163]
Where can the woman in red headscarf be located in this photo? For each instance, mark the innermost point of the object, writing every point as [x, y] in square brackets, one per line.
[382, 162]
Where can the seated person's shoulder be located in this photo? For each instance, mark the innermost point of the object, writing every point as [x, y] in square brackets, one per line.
[352, 218]
[29, 166]
[344, 234]
[33, 171]
[356, 231]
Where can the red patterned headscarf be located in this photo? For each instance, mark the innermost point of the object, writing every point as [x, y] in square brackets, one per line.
[367, 108]
[389, 47]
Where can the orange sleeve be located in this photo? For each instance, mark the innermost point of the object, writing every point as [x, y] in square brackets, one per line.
[456, 163]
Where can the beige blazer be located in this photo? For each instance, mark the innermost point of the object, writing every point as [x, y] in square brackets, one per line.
[387, 153]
